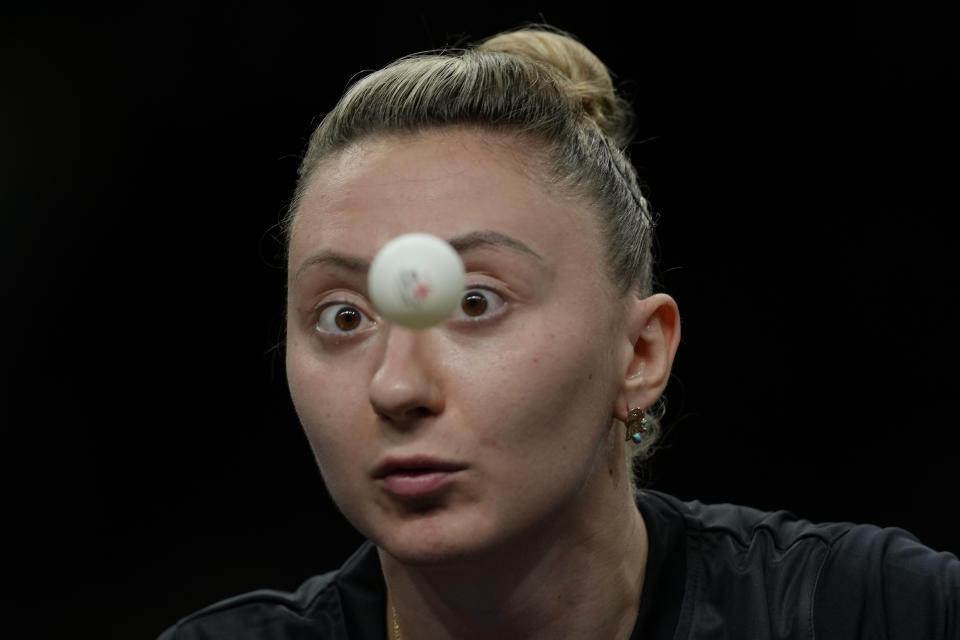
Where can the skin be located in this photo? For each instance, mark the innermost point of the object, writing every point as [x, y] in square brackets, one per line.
[538, 535]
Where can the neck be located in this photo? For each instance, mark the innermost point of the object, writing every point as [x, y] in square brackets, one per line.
[579, 578]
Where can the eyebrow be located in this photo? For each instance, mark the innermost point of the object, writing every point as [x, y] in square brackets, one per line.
[462, 243]
[336, 259]
[476, 239]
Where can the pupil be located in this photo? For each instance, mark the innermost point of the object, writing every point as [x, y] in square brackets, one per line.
[347, 319]
[474, 304]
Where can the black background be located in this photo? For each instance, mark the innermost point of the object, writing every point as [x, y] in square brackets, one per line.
[802, 161]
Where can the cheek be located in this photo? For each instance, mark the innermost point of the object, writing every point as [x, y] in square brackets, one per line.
[326, 403]
[548, 387]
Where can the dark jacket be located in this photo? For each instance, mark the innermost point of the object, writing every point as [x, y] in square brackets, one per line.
[713, 571]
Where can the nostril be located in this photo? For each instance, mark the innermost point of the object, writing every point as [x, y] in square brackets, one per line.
[420, 412]
[414, 413]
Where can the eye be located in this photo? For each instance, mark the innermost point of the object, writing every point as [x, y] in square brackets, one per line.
[340, 318]
[477, 303]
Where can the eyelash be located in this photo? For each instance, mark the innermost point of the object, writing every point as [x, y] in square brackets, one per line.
[460, 317]
[336, 306]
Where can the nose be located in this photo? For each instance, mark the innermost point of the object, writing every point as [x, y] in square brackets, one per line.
[406, 386]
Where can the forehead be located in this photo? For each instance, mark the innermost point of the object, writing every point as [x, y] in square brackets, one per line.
[448, 183]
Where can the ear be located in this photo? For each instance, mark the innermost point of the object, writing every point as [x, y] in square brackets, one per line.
[651, 338]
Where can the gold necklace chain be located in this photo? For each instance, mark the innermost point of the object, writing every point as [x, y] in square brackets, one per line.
[396, 624]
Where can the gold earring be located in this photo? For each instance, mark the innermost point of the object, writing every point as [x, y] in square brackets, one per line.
[637, 425]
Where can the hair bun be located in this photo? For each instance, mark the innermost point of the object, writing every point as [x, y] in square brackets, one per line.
[587, 78]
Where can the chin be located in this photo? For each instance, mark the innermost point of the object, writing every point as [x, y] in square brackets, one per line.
[432, 538]
[421, 555]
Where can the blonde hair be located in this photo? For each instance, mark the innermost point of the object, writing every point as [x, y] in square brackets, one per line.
[541, 85]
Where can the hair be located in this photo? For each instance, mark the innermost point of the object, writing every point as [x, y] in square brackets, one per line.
[542, 86]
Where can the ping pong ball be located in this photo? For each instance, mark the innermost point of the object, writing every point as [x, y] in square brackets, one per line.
[416, 280]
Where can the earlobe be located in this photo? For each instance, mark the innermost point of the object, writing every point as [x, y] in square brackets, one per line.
[637, 425]
[652, 337]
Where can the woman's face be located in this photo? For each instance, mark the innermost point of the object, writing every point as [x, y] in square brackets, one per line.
[507, 407]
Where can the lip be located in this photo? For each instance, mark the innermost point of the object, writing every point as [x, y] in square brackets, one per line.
[416, 476]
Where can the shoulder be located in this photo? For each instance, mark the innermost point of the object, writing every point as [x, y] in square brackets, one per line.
[740, 528]
[333, 606]
[754, 572]
[770, 569]
[314, 606]
[884, 582]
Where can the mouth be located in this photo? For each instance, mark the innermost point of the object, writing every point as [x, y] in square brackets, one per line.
[415, 477]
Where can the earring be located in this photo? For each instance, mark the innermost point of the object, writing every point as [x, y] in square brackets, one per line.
[637, 425]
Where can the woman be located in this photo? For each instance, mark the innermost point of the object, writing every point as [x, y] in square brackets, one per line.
[489, 460]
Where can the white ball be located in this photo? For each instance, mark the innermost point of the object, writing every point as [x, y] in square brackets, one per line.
[416, 280]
